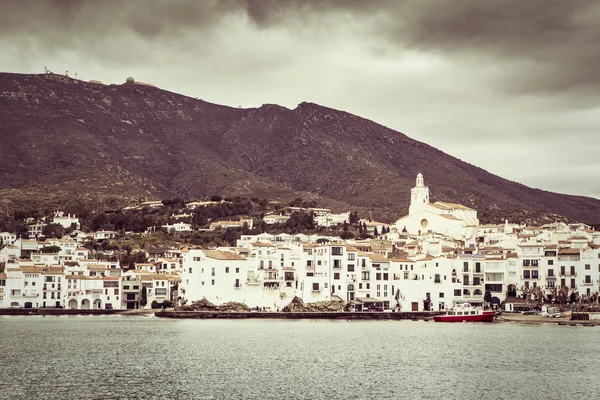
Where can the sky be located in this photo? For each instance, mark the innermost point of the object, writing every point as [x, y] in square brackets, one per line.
[511, 86]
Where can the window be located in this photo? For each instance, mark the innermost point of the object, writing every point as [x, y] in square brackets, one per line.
[190, 270]
[360, 285]
[226, 270]
[588, 279]
[368, 285]
[212, 282]
[588, 266]
[336, 275]
[526, 263]
[406, 275]
[550, 262]
[526, 274]
[337, 263]
[534, 275]
[237, 270]
[437, 278]
[212, 272]
[456, 292]
[478, 267]
[378, 276]
[534, 263]
[465, 266]
[550, 272]
[386, 276]
[351, 256]
[350, 267]
[365, 276]
[441, 295]
[336, 251]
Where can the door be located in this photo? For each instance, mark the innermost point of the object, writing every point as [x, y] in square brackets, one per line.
[415, 306]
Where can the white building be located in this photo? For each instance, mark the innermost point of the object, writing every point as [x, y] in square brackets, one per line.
[7, 238]
[66, 221]
[447, 218]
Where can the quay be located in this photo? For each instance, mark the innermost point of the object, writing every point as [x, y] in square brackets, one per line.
[422, 315]
[63, 311]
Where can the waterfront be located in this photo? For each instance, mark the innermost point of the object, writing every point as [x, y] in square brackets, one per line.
[118, 357]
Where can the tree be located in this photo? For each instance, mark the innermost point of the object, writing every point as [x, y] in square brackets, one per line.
[526, 293]
[538, 296]
[53, 231]
[216, 197]
[561, 294]
[144, 299]
[375, 232]
[50, 249]
[353, 218]
[345, 226]
[347, 235]
[487, 297]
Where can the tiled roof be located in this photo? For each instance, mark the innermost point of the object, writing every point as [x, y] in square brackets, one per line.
[222, 255]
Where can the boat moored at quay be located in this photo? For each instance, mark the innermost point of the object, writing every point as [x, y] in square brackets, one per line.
[466, 313]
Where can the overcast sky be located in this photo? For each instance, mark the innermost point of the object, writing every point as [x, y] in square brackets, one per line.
[510, 86]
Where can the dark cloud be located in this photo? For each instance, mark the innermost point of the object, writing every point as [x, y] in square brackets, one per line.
[545, 46]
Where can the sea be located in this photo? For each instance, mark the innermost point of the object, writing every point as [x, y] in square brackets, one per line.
[144, 357]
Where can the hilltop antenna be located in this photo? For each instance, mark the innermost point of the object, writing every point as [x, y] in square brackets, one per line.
[75, 75]
[67, 73]
[45, 69]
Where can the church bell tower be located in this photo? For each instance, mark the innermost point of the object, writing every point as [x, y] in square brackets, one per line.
[419, 196]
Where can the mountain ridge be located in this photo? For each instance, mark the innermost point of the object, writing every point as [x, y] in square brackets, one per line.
[59, 133]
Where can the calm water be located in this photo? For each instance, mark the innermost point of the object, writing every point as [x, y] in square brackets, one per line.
[118, 357]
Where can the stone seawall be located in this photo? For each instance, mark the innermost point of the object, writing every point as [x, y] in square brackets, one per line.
[426, 315]
[56, 311]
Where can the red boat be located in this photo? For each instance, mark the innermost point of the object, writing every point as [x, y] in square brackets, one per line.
[466, 313]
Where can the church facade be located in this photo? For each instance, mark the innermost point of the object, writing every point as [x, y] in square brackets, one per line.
[446, 218]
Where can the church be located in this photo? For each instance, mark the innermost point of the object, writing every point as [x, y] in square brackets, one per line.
[446, 218]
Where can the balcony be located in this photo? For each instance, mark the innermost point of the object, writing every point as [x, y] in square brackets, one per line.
[253, 282]
[530, 278]
[551, 278]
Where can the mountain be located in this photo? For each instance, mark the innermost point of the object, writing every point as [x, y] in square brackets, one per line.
[62, 135]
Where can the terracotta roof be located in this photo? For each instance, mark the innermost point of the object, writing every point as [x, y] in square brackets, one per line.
[578, 238]
[82, 277]
[377, 257]
[262, 244]
[2, 276]
[569, 251]
[110, 278]
[453, 205]
[222, 255]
